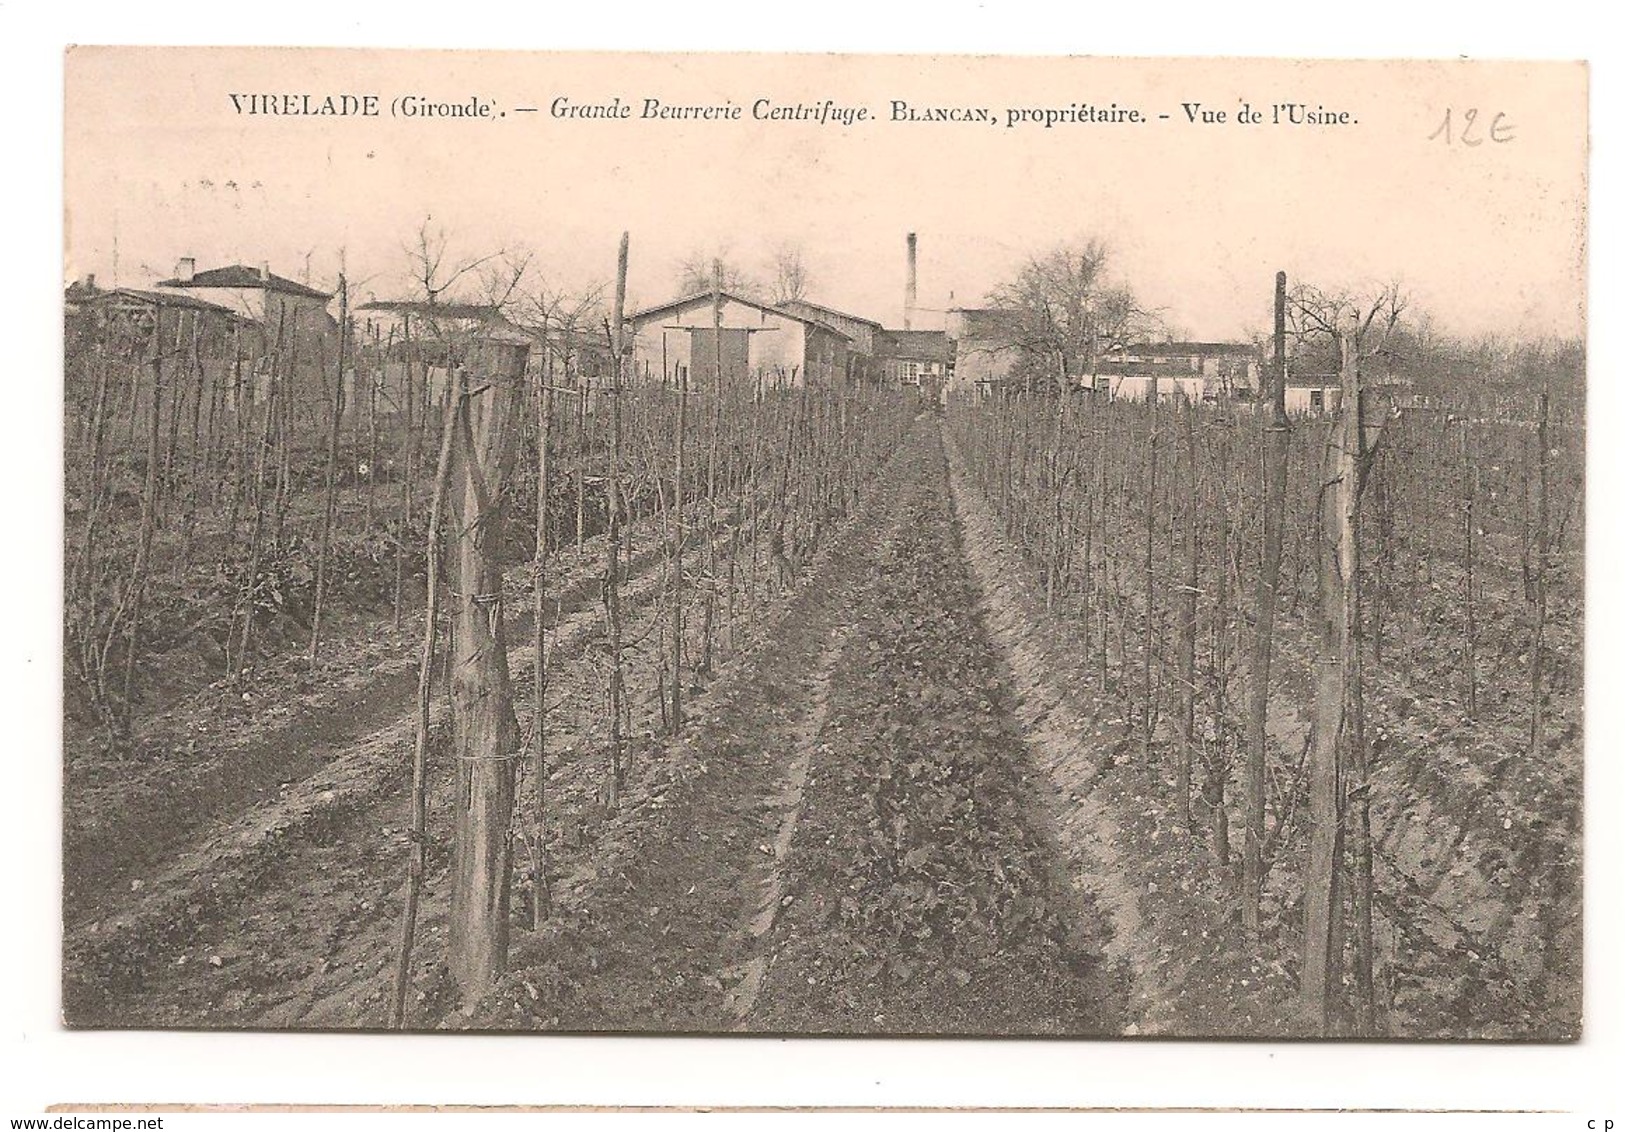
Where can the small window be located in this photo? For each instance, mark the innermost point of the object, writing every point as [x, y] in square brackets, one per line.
[1317, 398]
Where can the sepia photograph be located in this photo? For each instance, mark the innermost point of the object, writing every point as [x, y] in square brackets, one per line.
[839, 544]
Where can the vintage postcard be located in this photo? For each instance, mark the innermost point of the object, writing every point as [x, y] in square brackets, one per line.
[823, 544]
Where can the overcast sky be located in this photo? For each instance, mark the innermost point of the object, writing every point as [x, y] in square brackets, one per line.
[1485, 237]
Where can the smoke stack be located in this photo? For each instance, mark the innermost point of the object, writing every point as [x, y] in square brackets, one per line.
[185, 268]
[265, 271]
[90, 282]
[913, 281]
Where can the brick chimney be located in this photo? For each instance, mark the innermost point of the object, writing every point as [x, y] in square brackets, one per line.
[909, 293]
[265, 271]
[185, 268]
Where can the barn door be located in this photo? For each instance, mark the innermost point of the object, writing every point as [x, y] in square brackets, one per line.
[735, 355]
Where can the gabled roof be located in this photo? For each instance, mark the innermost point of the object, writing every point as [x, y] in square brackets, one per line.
[483, 311]
[128, 296]
[915, 345]
[560, 338]
[242, 277]
[705, 297]
[793, 305]
[1235, 349]
[1108, 366]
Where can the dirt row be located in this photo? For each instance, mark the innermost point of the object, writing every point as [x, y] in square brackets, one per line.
[283, 914]
[925, 893]
[237, 744]
[1185, 962]
[843, 842]
[1477, 870]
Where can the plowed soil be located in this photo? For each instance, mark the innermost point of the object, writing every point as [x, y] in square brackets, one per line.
[892, 809]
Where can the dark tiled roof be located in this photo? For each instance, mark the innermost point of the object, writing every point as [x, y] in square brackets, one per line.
[914, 345]
[1237, 349]
[123, 296]
[441, 310]
[795, 306]
[248, 278]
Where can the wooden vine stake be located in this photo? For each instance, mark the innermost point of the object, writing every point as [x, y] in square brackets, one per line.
[420, 748]
[612, 566]
[331, 478]
[538, 727]
[1339, 772]
[1269, 575]
[485, 731]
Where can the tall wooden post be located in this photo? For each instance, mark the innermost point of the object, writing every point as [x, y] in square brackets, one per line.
[1538, 586]
[485, 733]
[679, 534]
[538, 727]
[420, 744]
[1148, 720]
[708, 610]
[150, 488]
[1339, 784]
[1187, 644]
[1269, 574]
[330, 486]
[612, 570]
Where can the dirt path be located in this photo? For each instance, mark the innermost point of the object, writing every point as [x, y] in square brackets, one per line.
[929, 895]
[845, 843]
[747, 978]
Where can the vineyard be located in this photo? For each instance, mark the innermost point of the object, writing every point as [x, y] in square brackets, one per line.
[1138, 530]
[431, 678]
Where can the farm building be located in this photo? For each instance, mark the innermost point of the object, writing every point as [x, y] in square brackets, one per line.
[180, 315]
[922, 360]
[432, 332]
[762, 346]
[405, 339]
[200, 338]
[1311, 394]
[862, 364]
[281, 313]
[394, 323]
[254, 293]
[575, 355]
[1198, 370]
[395, 334]
[1135, 385]
[987, 346]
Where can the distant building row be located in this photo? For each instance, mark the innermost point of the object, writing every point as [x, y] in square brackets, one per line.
[759, 345]
[986, 351]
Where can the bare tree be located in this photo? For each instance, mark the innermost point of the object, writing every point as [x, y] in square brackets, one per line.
[1066, 311]
[431, 275]
[791, 278]
[696, 276]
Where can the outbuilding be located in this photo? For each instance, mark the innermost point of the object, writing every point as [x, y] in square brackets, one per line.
[762, 347]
